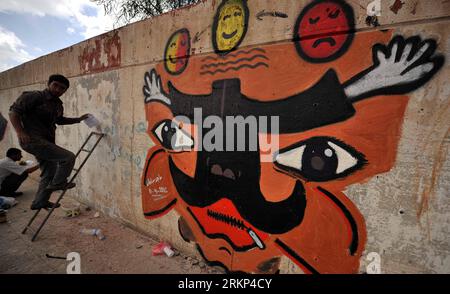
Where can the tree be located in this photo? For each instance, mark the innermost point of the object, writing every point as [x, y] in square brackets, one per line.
[126, 11]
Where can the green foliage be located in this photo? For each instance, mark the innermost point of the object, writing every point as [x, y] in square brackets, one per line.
[126, 11]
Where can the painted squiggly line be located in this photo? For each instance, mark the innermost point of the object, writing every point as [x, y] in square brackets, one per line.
[238, 224]
[227, 219]
[233, 54]
[234, 62]
[235, 68]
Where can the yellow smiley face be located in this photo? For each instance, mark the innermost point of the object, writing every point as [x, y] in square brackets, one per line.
[230, 25]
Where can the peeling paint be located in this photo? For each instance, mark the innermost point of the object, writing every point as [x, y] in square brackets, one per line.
[437, 167]
[398, 4]
[101, 54]
[269, 266]
[414, 10]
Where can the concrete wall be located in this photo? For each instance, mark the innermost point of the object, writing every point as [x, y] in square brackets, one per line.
[390, 198]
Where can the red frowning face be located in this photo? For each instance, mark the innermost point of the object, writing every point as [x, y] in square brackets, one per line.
[323, 31]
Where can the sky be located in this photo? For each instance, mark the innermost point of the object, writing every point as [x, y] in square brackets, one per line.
[33, 28]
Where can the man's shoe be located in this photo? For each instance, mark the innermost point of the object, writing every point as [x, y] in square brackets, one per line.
[63, 186]
[51, 205]
[37, 206]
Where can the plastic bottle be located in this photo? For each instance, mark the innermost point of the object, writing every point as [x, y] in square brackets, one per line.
[93, 232]
[90, 232]
[168, 251]
[99, 234]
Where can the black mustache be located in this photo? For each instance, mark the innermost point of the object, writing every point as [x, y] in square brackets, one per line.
[329, 40]
[273, 217]
[270, 217]
[323, 103]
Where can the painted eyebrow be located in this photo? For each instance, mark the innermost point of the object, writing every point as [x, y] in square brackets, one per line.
[334, 14]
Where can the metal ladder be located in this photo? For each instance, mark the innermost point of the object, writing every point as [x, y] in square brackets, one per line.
[77, 170]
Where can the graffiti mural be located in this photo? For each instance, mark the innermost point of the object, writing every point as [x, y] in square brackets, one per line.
[339, 100]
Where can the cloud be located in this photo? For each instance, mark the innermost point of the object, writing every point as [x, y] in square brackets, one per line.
[70, 30]
[81, 13]
[12, 50]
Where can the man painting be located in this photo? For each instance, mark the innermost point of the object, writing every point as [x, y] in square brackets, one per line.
[34, 116]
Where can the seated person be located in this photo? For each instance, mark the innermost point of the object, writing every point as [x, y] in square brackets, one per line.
[12, 174]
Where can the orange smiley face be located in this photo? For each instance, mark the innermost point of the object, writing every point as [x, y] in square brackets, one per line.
[177, 52]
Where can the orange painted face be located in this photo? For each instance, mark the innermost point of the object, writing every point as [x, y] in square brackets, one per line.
[245, 212]
[242, 212]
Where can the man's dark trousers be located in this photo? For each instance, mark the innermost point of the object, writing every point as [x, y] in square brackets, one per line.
[11, 183]
[56, 164]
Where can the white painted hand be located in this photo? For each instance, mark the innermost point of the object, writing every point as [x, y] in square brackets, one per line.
[399, 68]
[397, 64]
[152, 88]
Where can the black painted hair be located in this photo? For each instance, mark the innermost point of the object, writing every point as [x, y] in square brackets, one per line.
[12, 152]
[58, 78]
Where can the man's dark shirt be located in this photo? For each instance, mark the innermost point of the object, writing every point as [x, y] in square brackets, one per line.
[40, 112]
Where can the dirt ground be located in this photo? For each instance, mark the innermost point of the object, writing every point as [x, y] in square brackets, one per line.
[123, 251]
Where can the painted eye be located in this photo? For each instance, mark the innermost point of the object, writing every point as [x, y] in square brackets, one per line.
[314, 20]
[172, 137]
[183, 42]
[237, 13]
[334, 14]
[226, 17]
[320, 159]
